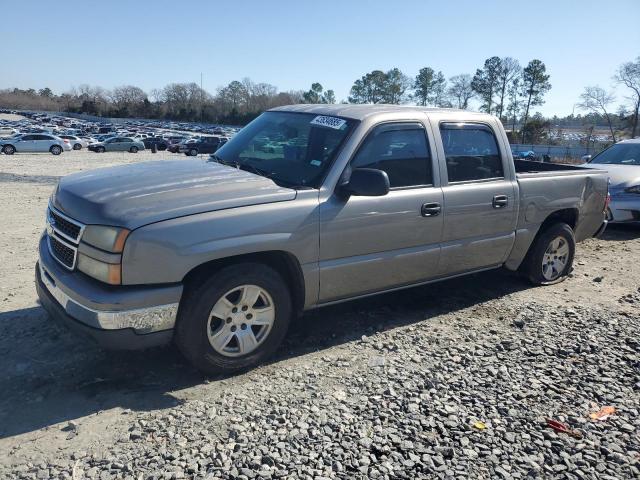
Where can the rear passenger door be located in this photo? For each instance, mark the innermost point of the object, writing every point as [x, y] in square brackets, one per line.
[368, 244]
[479, 198]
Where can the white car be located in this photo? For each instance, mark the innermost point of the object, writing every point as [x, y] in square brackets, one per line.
[76, 142]
[622, 162]
[7, 131]
[34, 143]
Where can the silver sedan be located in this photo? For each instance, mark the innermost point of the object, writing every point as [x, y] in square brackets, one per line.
[622, 161]
[117, 144]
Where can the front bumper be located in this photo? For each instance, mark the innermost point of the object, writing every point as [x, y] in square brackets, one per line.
[122, 317]
[624, 208]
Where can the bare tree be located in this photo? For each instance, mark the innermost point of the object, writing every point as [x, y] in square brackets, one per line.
[597, 99]
[460, 90]
[629, 75]
[510, 70]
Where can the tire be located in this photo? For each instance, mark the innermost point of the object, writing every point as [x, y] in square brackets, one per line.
[9, 149]
[197, 322]
[100, 150]
[77, 146]
[133, 149]
[192, 152]
[542, 266]
[56, 149]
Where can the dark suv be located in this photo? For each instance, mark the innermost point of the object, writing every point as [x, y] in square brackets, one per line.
[203, 145]
[159, 142]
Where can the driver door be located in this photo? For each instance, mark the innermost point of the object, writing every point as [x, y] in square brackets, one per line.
[369, 244]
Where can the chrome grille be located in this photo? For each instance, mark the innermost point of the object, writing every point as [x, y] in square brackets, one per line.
[64, 226]
[62, 252]
[71, 230]
[64, 235]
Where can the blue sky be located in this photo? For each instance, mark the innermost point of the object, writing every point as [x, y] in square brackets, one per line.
[294, 43]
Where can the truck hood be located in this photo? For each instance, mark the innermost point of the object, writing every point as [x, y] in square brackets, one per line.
[134, 195]
[621, 176]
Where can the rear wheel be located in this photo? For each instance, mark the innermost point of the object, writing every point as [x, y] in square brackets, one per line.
[235, 320]
[56, 149]
[192, 152]
[133, 149]
[9, 149]
[77, 146]
[550, 258]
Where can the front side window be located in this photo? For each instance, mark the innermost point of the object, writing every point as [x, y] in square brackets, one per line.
[471, 152]
[400, 150]
[619, 154]
[293, 149]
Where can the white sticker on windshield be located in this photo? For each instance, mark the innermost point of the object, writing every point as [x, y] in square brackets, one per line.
[315, 163]
[330, 122]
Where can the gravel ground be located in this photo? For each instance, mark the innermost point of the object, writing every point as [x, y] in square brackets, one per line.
[453, 380]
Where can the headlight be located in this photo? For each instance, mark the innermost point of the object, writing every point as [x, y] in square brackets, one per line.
[105, 272]
[634, 189]
[110, 239]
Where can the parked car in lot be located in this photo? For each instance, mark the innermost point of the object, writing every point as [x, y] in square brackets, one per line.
[159, 142]
[174, 147]
[117, 144]
[34, 143]
[76, 143]
[306, 206]
[202, 145]
[622, 163]
[7, 131]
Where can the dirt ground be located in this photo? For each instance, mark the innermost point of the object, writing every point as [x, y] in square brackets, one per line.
[51, 377]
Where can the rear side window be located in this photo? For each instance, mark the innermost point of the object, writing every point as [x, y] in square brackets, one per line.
[471, 152]
[401, 150]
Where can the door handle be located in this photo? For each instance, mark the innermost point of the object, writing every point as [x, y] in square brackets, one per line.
[430, 209]
[500, 201]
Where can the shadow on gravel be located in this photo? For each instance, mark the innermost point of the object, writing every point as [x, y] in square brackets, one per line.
[342, 323]
[50, 375]
[621, 232]
[12, 177]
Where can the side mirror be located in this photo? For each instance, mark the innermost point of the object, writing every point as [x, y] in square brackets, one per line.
[586, 158]
[367, 182]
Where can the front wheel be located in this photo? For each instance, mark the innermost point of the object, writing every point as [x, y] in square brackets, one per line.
[9, 149]
[550, 258]
[192, 152]
[100, 150]
[56, 149]
[235, 320]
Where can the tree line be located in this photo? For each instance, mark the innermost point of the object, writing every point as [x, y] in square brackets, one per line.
[501, 86]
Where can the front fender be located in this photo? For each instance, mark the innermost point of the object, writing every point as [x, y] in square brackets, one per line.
[166, 251]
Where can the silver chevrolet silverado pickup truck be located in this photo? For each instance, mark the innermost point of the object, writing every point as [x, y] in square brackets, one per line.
[306, 206]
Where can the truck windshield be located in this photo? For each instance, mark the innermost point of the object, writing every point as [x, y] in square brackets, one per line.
[293, 149]
[619, 154]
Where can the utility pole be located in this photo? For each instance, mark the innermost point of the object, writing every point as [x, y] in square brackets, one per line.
[201, 97]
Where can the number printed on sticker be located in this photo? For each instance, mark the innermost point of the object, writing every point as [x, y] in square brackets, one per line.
[330, 122]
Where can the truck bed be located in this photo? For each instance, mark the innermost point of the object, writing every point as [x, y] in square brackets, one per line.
[525, 168]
